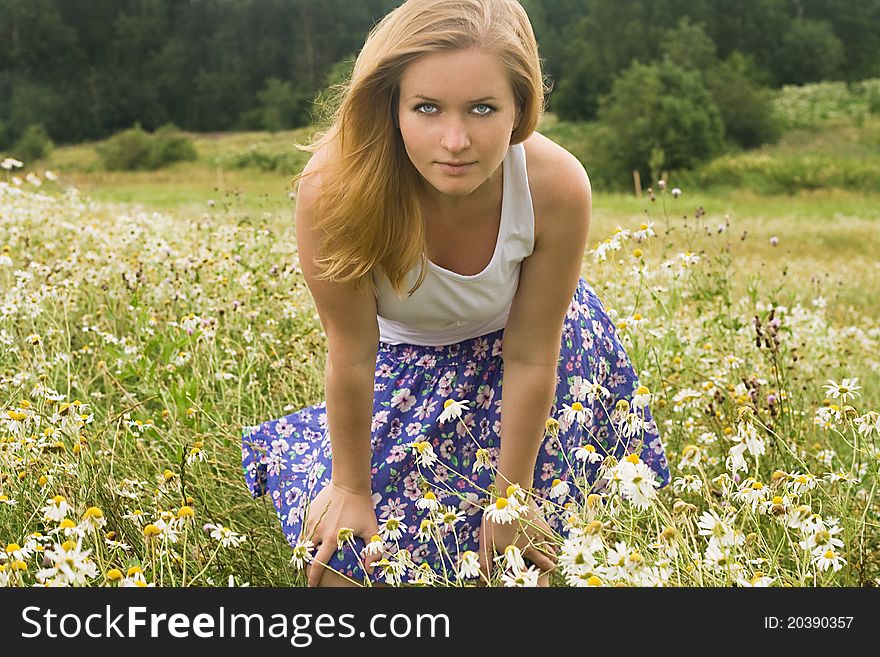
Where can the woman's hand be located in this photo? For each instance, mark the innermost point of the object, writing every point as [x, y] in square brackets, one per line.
[332, 509]
[530, 533]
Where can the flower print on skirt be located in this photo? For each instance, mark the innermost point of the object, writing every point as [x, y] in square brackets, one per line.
[290, 458]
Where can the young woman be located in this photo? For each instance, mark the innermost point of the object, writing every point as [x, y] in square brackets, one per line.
[442, 239]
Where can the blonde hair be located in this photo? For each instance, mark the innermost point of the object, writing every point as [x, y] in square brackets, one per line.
[369, 218]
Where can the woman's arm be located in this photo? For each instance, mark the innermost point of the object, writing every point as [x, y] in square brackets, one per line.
[532, 337]
[348, 316]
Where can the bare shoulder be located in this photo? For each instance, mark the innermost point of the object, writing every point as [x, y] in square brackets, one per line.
[559, 184]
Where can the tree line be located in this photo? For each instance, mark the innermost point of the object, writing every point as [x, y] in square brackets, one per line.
[83, 69]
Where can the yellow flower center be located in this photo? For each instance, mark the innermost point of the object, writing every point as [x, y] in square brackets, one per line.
[12, 547]
[594, 581]
[114, 575]
[633, 458]
[577, 406]
[93, 512]
[448, 403]
[67, 523]
[501, 503]
[186, 512]
[642, 390]
[68, 545]
[430, 496]
[757, 485]
[777, 500]
[151, 530]
[556, 482]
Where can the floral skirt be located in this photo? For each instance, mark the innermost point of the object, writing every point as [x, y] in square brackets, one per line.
[290, 458]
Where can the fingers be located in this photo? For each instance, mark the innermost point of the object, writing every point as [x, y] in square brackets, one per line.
[486, 554]
[322, 557]
[542, 562]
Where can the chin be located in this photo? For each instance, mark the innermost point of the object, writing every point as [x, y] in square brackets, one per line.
[454, 187]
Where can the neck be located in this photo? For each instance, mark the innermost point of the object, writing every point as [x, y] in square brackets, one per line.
[452, 208]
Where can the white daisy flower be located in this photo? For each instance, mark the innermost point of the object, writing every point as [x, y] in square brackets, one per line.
[469, 567]
[846, 389]
[429, 502]
[587, 453]
[576, 413]
[425, 453]
[452, 410]
[501, 510]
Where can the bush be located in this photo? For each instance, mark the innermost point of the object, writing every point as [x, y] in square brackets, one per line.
[746, 109]
[287, 161]
[281, 106]
[34, 144]
[135, 149]
[170, 145]
[658, 116]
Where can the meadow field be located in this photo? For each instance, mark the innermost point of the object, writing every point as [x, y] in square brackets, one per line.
[148, 317]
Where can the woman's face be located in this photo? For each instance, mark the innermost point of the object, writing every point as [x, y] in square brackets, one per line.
[456, 113]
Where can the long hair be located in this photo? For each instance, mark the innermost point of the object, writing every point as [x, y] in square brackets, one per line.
[369, 219]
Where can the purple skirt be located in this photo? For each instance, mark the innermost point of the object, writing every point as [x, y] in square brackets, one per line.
[290, 458]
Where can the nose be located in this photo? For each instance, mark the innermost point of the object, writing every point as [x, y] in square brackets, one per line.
[455, 137]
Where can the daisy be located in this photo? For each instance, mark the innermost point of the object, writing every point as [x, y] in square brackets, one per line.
[713, 525]
[829, 559]
[753, 493]
[690, 483]
[846, 389]
[452, 410]
[451, 516]
[424, 452]
[512, 556]
[501, 511]
[302, 554]
[481, 459]
[587, 453]
[469, 567]
[425, 527]
[523, 578]
[690, 457]
[391, 571]
[559, 489]
[17, 553]
[718, 557]
[375, 546]
[56, 509]
[429, 502]
[577, 556]
[758, 581]
[642, 397]
[392, 529]
[576, 413]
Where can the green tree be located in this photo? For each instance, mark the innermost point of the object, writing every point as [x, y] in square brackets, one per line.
[810, 52]
[658, 116]
[746, 107]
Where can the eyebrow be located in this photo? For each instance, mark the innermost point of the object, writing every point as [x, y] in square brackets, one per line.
[434, 100]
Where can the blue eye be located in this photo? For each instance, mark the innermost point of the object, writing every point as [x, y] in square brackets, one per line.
[421, 108]
[488, 109]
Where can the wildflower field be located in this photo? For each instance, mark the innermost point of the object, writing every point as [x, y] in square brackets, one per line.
[136, 343]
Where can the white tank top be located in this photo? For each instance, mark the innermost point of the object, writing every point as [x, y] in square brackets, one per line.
[450, 307]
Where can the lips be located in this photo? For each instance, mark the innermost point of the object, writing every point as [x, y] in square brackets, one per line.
[453, 168]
